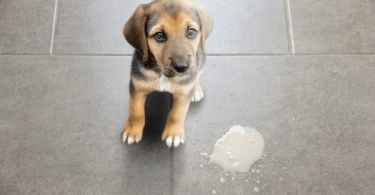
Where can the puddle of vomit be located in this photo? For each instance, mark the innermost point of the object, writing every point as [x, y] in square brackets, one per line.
[238, 149]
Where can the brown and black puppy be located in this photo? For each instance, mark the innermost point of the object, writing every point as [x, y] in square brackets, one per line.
[169, 37]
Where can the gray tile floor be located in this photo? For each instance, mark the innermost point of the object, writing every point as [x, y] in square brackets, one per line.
[301, 72]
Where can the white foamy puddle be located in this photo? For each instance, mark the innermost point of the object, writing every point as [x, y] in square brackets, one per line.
[238, 149]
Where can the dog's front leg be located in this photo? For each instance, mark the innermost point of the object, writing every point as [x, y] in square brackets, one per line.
[174, 130]
[133, 129]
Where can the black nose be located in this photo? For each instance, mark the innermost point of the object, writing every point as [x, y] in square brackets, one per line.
[180, 65]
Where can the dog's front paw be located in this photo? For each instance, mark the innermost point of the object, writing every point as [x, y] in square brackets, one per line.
[133, 132]
[174, 134]
[198, 94]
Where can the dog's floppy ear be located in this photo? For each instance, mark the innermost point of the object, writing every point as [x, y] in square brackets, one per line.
[135, 31]
[207, 23]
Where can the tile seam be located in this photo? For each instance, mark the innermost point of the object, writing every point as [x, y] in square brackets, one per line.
[172, 170]
[53, 28]
[211, 55]
[290, 27]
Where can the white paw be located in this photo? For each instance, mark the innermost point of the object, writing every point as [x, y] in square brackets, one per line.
[198, 94]
[132, 133]
[176, 141]
[131, 139]
[173, 137]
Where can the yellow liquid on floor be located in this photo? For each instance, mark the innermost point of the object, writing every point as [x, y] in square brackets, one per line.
[238, 149]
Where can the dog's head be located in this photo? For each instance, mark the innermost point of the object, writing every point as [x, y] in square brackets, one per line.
[170, 32]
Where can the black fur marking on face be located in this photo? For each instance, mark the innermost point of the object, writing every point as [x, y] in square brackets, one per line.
[201, 58]
[151, 63]
[131, 87]
[153, 19]
[137, 63]
[194, 14]
[173, 9]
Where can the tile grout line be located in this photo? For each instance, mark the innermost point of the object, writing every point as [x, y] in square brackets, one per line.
[244, 54]
[289, 27]
[88, 55]
[171, 150]
[53, 28]
[172, 170]
[212, 55]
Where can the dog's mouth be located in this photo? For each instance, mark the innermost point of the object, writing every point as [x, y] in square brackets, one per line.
[169, 73]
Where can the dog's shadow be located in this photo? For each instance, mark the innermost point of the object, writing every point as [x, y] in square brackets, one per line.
[148, 162]
[157, 108]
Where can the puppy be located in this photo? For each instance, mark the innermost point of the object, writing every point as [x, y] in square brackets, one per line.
[168, 37]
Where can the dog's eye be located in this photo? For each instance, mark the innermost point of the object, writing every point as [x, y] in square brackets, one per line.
[191, 33]
[160, 37]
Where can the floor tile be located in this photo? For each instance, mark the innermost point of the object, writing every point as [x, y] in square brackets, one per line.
[344, 27]
[315, 113]
[26, 26]
[60, 129]
[95, 27]
[247, 27]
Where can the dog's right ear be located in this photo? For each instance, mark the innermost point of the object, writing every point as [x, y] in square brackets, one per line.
[135, 31]
[207, 23]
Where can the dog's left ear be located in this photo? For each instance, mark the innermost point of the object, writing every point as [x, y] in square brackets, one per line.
[135, 31]
[207, 23]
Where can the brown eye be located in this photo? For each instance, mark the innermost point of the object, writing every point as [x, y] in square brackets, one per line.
[160, 37]
[191, 33]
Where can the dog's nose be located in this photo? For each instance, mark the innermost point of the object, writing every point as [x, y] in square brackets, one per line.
[180, 65]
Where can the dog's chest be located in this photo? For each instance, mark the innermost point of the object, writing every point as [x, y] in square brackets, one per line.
[159, 82]
[164, 84]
